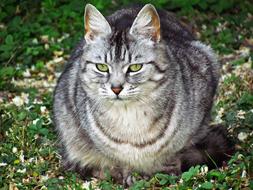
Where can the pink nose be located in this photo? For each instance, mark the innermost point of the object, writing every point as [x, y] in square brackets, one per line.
[117, 89]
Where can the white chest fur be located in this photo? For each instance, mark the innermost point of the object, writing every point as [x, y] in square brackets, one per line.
[129, 123]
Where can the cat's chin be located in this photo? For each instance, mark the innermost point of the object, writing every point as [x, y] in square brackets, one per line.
[121, 99]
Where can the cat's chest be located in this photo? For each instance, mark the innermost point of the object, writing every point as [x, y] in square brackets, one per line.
[128, 123]
[135, 135]
[134, 118]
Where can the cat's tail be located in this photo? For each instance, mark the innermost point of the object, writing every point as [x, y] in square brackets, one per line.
[213, 149]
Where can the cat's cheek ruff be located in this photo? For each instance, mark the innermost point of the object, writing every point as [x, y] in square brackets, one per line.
[157, 77]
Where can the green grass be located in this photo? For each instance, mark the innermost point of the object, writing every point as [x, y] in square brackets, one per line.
[36, 40]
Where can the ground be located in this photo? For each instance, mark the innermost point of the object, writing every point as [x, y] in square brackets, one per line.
[35, 42]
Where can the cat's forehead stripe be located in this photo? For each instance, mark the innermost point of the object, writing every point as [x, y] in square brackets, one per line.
[105, 57]
[119, 47]
[124, 53]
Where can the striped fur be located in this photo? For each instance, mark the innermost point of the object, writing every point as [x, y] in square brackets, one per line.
[161, 108]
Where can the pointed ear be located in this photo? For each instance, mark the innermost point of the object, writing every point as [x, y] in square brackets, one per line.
[95, 24]
[147, 24]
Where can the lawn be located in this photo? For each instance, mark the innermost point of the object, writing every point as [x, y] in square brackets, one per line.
[36, 39]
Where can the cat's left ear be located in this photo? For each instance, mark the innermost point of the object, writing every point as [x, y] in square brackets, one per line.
[147, 24]
[95, 24]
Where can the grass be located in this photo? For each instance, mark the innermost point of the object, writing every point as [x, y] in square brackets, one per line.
[36, 40]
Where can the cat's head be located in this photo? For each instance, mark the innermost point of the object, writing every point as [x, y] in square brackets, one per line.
[122, 63]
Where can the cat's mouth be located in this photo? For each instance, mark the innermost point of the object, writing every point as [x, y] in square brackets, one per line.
[119, 98]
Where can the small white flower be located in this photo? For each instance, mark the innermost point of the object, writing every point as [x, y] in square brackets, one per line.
[218, 119]
[204, 27]
[3, 164]
[22, 171]
[14, 149]
[27, 73]
[36, 136]
[2, 26]
[35, 121]
[64, 36]
[57, 74]
[21, 100]
[22, 157]
[58, 60]
[29, 107]
[46, 46]
[219, 28]
[221, 112]
[61, 177]
[241, 114]
[242, 136]
[240, 156]
[245, 51]
[48, 121]
[44, 38]
[18, 101]
[36, 101]
[244, 174]
[46, 84]
[31, 160]
[86, 185]
[44, 188]
[33, 68]
[204, 170]
[25, 97]
[35, 41]
[44, 177]
[227, 93]
[43, 109]
[58, 53]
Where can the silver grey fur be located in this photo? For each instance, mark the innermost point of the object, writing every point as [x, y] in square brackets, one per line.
[158, 111]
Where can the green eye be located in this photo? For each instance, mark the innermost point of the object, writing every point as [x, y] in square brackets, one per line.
[102, 67]
[134, 67]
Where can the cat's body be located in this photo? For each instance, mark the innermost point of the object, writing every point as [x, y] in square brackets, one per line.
[135, 120]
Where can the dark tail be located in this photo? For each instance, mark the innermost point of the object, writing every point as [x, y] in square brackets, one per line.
[212, 150]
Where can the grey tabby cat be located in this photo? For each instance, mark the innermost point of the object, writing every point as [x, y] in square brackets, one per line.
[136, 96]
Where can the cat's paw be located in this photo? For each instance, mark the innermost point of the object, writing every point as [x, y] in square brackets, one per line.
[129, 180]
[173, 167]
[125, 177]
[114, 172]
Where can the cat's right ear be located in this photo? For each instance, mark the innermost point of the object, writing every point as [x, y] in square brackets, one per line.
[147, 24]
[95, 24]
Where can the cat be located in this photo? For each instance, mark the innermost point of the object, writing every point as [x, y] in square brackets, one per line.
[136, 96]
